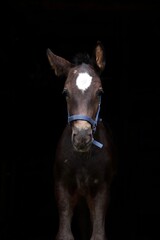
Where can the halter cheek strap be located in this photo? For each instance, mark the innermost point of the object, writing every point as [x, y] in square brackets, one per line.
[90, 120]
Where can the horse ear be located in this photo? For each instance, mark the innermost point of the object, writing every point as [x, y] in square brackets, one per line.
[99, 56]
[60, 65]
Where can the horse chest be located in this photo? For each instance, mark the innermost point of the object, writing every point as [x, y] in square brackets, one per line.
[85, 180]
[82, 174]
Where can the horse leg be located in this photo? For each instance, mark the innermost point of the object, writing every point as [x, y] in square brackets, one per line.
[97, 206]
[65, 203]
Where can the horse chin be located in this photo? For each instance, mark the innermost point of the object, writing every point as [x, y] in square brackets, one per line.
[82, 149]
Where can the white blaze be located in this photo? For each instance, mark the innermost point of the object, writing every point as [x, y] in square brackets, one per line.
[83, 81]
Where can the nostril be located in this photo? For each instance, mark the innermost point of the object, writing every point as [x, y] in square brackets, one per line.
[90, 135]
[88, 138]
[74, 136]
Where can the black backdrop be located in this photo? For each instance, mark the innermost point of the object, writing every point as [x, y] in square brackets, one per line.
[33, 111]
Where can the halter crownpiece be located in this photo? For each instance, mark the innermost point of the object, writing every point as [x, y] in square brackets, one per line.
[90, 120]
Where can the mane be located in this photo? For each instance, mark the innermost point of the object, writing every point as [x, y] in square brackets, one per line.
[80, 58]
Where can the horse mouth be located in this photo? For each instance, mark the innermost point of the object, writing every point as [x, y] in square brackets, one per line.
[82, 147]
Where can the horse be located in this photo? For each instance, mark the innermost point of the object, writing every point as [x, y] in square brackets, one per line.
[84, 163]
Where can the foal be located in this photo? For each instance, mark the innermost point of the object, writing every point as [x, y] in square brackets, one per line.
[84, 158]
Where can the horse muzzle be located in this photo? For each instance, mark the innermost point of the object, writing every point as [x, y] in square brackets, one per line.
[87, 134]
[82, 136]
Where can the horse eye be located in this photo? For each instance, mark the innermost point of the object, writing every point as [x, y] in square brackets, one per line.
[65, 93]
[99, 92]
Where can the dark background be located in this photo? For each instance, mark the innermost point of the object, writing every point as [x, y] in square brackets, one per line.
[33, 111]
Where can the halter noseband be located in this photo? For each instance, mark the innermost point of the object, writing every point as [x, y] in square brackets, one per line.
[90, 120]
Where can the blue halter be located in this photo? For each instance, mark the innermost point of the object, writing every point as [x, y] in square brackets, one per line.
[90, 120]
